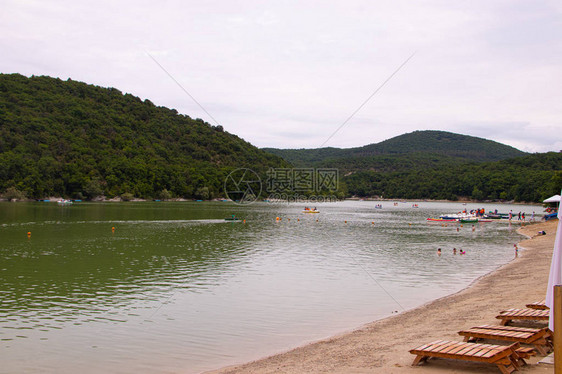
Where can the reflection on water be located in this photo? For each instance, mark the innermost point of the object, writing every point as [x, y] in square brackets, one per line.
[176, 288]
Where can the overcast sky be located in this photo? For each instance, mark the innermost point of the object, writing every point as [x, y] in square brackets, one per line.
[288, 74]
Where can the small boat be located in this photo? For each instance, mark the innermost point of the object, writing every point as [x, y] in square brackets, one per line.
[459, 217]
[442, 219]
[64, 202]
[496, 215]
[550, 216]
[468, 220]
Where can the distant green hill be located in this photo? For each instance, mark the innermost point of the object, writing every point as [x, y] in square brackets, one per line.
[435, 147]
[437, 165]
[68, 138]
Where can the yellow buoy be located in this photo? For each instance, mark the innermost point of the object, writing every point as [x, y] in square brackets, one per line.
[29, 234]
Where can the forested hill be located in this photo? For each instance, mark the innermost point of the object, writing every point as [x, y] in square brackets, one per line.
[438, 165]
[68, 138]
[440, 145]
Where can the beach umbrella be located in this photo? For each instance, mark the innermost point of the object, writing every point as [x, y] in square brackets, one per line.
[555, 277]
[552, 199]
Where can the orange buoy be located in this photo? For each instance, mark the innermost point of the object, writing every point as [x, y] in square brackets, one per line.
[29, 234]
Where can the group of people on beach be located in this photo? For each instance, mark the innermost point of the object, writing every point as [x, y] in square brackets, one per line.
[454, 251]
[520, 216]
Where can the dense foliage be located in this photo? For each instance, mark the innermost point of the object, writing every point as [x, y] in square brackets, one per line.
[67, 138]
[530, 178]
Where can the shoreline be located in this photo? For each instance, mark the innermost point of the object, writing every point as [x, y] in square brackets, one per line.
[383, 345]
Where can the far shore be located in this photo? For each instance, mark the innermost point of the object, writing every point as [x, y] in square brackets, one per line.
[103, 199]
[383, 346]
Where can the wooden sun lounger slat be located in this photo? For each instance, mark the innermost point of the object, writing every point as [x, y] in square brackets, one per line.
[458, 350]
[508, 334]
[465, 350]
[537, 305]
[473, 349]
[505, 358]
[487, 353]
[474, 353]
[438, 346]
[526, 312]
[425, 346]
[536, 337]
[510, 328]
[449, 348]
[523, 314]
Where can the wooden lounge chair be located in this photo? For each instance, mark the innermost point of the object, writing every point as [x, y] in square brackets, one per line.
[538, 338]
[507, 316]
[506, 358]
[538, 305]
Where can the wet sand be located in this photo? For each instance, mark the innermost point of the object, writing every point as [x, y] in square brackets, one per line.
[382, 346]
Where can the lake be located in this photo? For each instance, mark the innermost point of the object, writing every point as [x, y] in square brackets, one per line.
[176, 288]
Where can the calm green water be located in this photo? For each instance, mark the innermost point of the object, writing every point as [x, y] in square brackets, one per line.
[177, 289]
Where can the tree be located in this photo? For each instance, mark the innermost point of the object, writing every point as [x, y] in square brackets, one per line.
[13, 193]
[93, 189]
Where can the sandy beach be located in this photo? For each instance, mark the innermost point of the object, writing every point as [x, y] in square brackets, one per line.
[382, 346]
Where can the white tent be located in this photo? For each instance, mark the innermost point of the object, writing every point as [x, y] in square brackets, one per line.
[555, 277]
[552, 199]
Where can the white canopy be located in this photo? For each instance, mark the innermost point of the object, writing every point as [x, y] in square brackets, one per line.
[552, 199]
